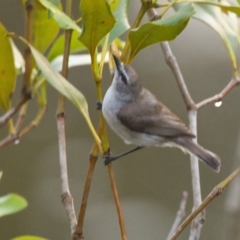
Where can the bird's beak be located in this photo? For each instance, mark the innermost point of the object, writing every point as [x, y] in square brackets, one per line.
[118, 63]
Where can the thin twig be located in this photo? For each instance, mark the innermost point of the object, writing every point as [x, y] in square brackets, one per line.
[27, 52]
[117, 202]
[180, 214]
[105, 146]
[78, 234]
[172, 63]
[192, 114]
[213, 194]
[232, 203]
[4, 119]
[7, 140]
[219, 97]
[67, 198]
[16, 137]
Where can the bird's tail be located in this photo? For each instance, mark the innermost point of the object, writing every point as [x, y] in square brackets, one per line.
[211, 159]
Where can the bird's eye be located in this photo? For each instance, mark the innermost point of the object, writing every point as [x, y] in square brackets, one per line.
[123, 78]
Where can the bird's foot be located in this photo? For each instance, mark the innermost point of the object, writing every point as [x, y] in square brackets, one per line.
[108, 159]
[98, 105]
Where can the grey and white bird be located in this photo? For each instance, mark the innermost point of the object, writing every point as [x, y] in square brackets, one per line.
[136, 115]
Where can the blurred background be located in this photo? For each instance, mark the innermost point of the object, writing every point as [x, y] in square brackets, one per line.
[150, 182]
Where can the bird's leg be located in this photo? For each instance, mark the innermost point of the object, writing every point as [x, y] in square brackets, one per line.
[109, 159]
[98, 105]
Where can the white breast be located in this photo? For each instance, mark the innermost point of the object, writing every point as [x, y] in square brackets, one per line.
[110, 108]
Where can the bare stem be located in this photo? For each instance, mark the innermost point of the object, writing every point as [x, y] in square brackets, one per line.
[173, 64]
[117, 202]
[180, 214]
[218, 97]
[67, 198]
[232, 202]
[105, 146]
[27, 52]
[11, 138]
[78, 234]
[192, 113]
[196, 186]
[4, 119]
[213, 194]
[139, 17]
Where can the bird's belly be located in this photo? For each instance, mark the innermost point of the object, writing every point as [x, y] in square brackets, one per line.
[110, 108]
[110, 111]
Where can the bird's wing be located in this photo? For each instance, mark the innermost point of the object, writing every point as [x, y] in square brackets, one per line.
[152, 117]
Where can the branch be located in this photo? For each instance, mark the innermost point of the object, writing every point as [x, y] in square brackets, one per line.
[192, 114]
[180, 214]
[232, 202]
[172, 63]
[67, 198]
[78, 234]
[218, 97]
[4, 119]
[16, 137]
[117, 202]
[27, 52]
[197, 224]
[213, 194]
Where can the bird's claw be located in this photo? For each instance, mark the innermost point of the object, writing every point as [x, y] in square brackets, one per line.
[98, 105]
[108, 159]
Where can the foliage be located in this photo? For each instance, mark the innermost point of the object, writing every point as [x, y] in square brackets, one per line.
[100, 25]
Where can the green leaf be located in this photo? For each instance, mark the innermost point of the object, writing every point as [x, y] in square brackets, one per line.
[61, 18]
[224, 5]
[97, 21]
[45, 28]
[7, 70]
[58, 46]
[119, 9]
[160, 30]
[11, 203]
[64, 87]
[28, 238]
[226, 25]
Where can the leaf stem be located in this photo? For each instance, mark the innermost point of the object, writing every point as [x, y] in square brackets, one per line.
[141, 13]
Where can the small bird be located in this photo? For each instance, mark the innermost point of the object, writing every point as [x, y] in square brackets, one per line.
[136, 115]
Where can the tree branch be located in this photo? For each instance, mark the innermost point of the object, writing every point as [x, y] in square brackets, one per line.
[218, 97]
[4, 119]
[192, 114]
[67, 198]
[117, 202]
[232, 202]
[78, 234]
[180, 214]
[213, 194]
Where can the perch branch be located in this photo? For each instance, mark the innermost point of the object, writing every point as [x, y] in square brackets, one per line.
[217, 190]
[180, 214]
[105, 146]
[218, 97]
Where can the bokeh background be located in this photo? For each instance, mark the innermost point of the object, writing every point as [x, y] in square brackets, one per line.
[150, 182]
